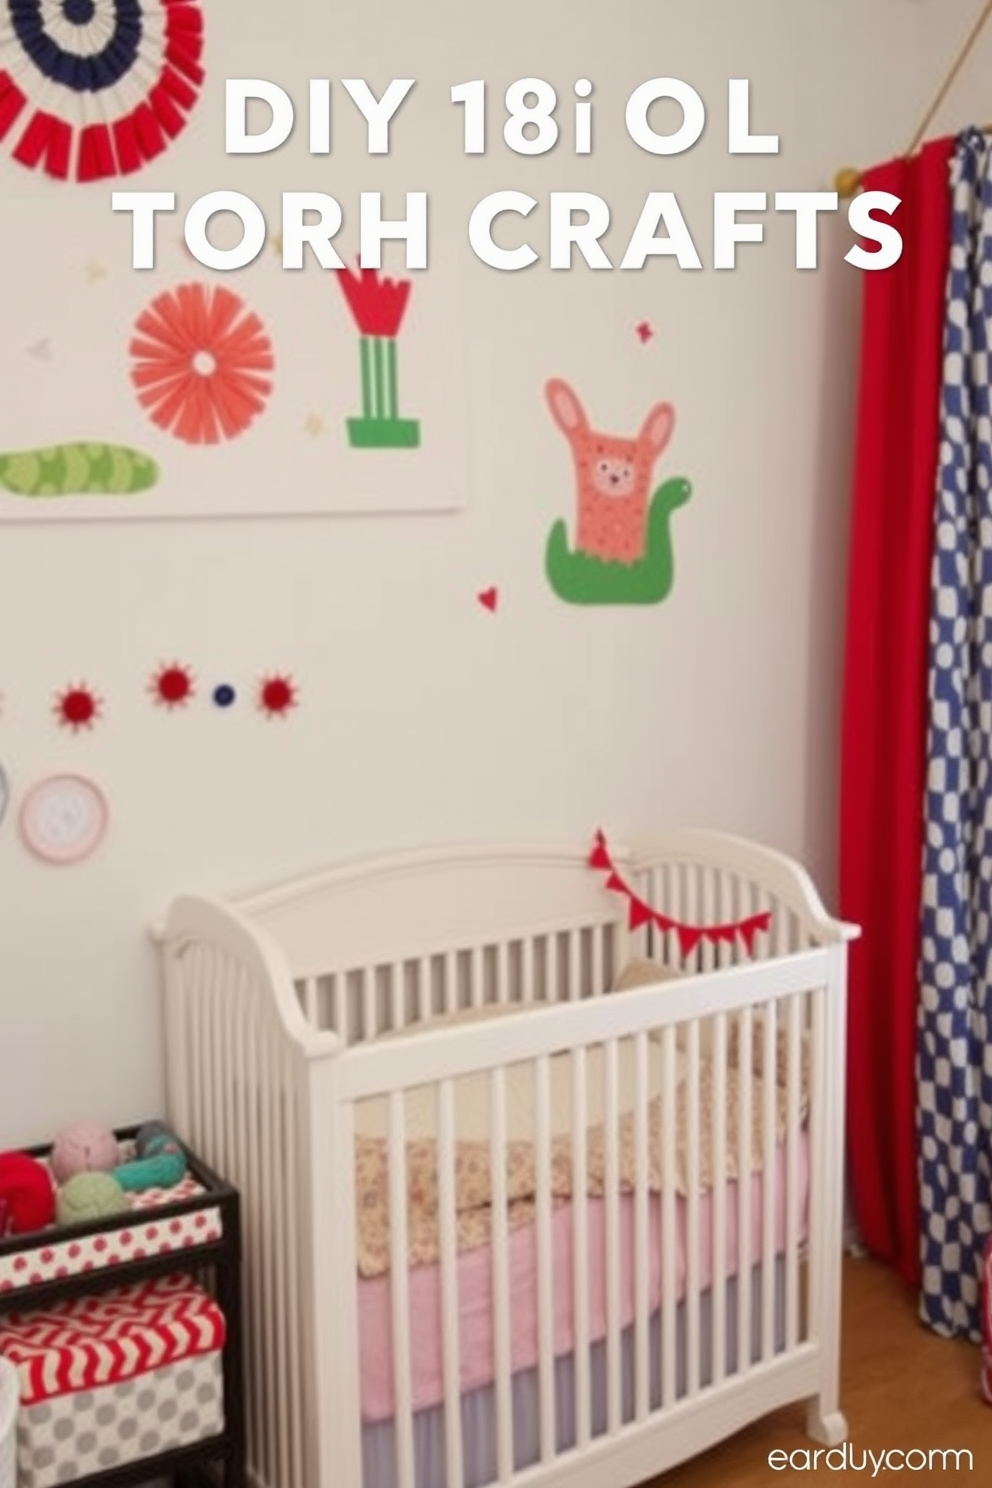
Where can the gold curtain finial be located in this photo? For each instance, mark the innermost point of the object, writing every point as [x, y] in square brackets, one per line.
[847, 183]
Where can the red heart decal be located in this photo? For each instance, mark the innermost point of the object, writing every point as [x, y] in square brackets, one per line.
[489, 598]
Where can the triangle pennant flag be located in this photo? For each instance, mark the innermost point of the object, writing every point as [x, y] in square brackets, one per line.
[639, 914]
[689, 938]
[616, 883]
[599, 857]
[663, 923]
[748, 929]
[718, 933]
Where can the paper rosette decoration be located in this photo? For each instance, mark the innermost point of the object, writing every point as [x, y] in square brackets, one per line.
[96, 88]
[201, 363]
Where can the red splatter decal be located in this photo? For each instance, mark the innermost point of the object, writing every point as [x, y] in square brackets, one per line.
[172, 685]
[277, 695]
[644, 331]
[77, 708]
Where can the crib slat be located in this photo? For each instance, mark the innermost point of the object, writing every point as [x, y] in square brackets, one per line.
[642, 1240]
[502, 973]
[478, 981]
[449, 1280]
[501, 1276]
[553, 988]
[694, 1185]
[580, 1246]
[397, 992]
[769, 1163]
[527, 958]
[370, 1013]
[745, 1117]
[598, 972]
[611, 1119]
[718, 1290]
[817, 1161]
[669, 1243]
[339, 1000]
[266, 1259]
[450, 988]
[574, 990]
[545, 1257]
[399, 1279]
[792, 1196]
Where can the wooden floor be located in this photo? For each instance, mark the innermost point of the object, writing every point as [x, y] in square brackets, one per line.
[901, 1387]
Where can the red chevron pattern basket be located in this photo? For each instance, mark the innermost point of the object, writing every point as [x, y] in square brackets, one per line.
[117, 1335]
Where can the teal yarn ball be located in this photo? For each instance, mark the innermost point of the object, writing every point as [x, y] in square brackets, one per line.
[163, 1171]
[89, 1196]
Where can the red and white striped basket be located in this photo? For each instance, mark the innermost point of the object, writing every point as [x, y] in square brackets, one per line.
[985, 1380]
[9, 1395]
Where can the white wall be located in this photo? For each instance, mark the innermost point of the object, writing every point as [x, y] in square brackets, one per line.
[424, 718]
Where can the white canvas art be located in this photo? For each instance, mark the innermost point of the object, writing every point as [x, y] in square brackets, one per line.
[179, 392]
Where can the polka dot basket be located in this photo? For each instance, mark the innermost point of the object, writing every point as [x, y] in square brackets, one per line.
[9, 1398]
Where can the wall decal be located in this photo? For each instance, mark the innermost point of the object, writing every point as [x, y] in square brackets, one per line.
[277, 696]
[200, 363]
[64, 818]
[489, 598]
[644, 332]
[689, 936]
[377, 306]
[623, 544]
[224, 695]
[80, 468]
[77, 708]
[172, 686]
[214, 435]
[4, 794]
[97, 88]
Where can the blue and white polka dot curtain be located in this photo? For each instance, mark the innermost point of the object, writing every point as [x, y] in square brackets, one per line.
[955, 1019]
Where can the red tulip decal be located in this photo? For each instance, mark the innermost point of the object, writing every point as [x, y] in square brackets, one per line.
[377, 306]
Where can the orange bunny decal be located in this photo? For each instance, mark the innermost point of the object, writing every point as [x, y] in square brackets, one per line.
[613, 475]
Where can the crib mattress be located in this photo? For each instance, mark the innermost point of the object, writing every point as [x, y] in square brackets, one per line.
[474, 1273]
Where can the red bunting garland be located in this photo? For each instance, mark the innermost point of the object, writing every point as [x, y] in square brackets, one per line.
[689, 936]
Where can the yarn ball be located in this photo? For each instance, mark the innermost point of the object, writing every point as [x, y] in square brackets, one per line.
[149, 1132]
[27, 1199]
[164, 1170]
[88, 1196]
[86, 1147]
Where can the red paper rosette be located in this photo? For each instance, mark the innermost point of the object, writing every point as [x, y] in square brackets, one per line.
[97, 88]
[200, 363]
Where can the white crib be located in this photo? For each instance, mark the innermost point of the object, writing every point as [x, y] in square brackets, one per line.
[689, 1307]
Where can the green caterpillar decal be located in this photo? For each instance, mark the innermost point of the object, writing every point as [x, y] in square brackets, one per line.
[82, 469]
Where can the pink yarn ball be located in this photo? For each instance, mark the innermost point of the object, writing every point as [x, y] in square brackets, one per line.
[86, 1147]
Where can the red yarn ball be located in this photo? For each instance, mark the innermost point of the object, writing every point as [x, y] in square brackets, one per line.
[27, 1196]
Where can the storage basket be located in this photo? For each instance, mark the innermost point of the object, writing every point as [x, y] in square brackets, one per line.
[9, 1397]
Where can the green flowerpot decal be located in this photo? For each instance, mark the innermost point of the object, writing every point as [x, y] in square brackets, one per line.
[377, 306]
[623, 540]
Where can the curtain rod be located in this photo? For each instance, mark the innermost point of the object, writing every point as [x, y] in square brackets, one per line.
[847, 182]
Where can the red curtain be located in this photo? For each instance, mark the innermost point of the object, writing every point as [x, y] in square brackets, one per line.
[885, 698]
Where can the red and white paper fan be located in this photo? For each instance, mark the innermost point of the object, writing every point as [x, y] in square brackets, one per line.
[96, 88]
